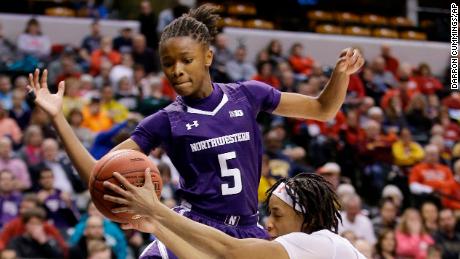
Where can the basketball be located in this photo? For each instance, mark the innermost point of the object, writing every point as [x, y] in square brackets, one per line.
[129, 163]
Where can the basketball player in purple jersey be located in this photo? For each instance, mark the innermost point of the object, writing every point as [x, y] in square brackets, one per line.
[210, 131]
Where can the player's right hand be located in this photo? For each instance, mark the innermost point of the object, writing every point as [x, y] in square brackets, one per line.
[50, 103]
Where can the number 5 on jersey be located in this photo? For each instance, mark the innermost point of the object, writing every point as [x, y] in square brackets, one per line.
[225, 172]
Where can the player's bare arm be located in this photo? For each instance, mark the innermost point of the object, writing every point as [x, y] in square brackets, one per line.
[182, 235]
[326, 105]
[52, 105]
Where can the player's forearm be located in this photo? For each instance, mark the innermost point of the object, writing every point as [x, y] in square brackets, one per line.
[213, 242]
[80, 157]
[333, 95]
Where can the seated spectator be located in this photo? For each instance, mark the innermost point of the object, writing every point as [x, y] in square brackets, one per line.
[92, 41]
[9, 198]
[111, 233]
[406, 152]
[94, 117]
[144, 55]
[447, 238]
[300, 64]
[427, 83]
[451, 197]
[288, 81]
[450, 130]
[353, 219]
[148, 23]
[122, 70]
[331, 172]
[75, 119]
[6, 96]
[33, 42]
[7, 50]
[30, 152]
[275, 52]
[104, 53]
[142, 81]
[40, 118]
[429, 212]
[99, 250]
[222, 55]
[8, 127]
[66, 178]
[20, 110]
[60, 207]
[400, 91]
[127, 94]
[412, 240]
[394, 194]
[124, 42]
[238, 69]
[68, 68]
[355, 91]
[34, 242]
[265, 74]
[405, 70]
[386, 245]
[387, 218]
[72, 98]
[417, 116]
[15, 165]
[429, 175]
[16, 227]
[154, 100]
[391, 62]
[373, 90]
[382, 78]
[104, 76]
[168, 193]
[266, 179]
[117, 111]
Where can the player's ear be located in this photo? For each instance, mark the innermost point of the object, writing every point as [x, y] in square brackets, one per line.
[208, 57]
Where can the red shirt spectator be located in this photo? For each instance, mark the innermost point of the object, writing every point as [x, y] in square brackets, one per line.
[300, 64]
[427, 83]
[104, 53]
[265, 74]
[391, 63]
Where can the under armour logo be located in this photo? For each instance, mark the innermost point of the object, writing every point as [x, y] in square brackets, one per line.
[194, 124]
[232, 220]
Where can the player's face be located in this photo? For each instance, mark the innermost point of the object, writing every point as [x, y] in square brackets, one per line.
[186, 63]
[283, 219]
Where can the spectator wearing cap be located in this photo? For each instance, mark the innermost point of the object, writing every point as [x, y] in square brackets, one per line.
[406, 152]
[447, 238]
[15, 165]
[387, 217]
[393, 193]
[94, 117]
[124, 42]
[331, 172]
[353, 219]
[10, 198]
[430, 175]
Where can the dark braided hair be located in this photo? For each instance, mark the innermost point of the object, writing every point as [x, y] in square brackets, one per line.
[199, 23]
[319, 203]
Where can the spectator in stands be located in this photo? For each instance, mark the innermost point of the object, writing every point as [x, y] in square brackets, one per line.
[75, 119]
[412, 239]
[275, 52]
[405, 70]
[300, 63]
[72, 98]
[68, 69]
[117, 111]
[266, 180]
[355, 91]
[429, 175]
[94, 117]
[14, 165]
[6, 97]
[148, 24]
[30, 152]
[382, 78]
[429, 212]
[9, 198]
[96, 9]
[104, 76]
[60, 207]
[8, 127]
[265, 74]
[124, 42]
[99, 250]
[222, 55]
[401, 91]
[144, 55]
[447, 238]
[33, 42]
[8, 254]
[16, 227]
[391, 63]
[238, 69]
[372, 90]
[20, 110]
[92, 41]
[111, 233]
[451, 197]
[331, 172]
[7, 50]
[167, 15]
[94, 230]
[122, 70]
[288, 82]
[417, 116]
[66, 179]
[394, 114]
[127, 94]
[353, 219]
[427, 83]
[387, 218]
[386, 245]
[168, 193]
[34, 242]
[105, 52]
[153, 99]
[406, 152]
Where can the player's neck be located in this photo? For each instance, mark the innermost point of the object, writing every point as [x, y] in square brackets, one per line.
[204, 91]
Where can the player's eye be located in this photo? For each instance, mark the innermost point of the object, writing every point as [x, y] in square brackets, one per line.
[188, 60]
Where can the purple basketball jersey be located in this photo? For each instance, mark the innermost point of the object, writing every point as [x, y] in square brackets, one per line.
[215, 144]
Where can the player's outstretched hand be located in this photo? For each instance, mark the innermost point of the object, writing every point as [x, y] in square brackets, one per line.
[140, 201]
[50, 103]
[350, 61]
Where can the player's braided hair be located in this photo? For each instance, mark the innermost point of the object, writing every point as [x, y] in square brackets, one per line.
[199, 23]
[320, 204]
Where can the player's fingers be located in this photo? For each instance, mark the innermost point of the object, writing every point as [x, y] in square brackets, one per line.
[122, 210]
[344, 52]
[115, 199]
[148, 178]
[116, 189]
[61, 88]
[31, 81]
[36, 78]
[44, 77]
[124, 181]
[127, 226]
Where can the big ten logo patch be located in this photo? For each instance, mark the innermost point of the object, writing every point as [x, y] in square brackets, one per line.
[236, 113]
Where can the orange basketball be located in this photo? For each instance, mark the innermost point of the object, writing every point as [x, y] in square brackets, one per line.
[129, 163]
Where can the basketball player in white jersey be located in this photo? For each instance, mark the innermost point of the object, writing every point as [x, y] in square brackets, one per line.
[304, 215]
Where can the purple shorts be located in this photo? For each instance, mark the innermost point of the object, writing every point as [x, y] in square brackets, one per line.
[235, 226]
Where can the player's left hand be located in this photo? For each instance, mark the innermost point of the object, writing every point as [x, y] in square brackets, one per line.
[350, 61]
[140, 201]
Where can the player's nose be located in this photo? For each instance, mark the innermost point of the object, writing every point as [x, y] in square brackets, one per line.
[178, 70]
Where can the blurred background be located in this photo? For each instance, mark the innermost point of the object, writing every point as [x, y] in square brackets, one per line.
[391, 153]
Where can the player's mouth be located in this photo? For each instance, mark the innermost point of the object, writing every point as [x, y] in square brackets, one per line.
[181, 84]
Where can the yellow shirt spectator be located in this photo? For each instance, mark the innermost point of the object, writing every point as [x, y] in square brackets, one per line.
[407, 155]
[116, 111]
